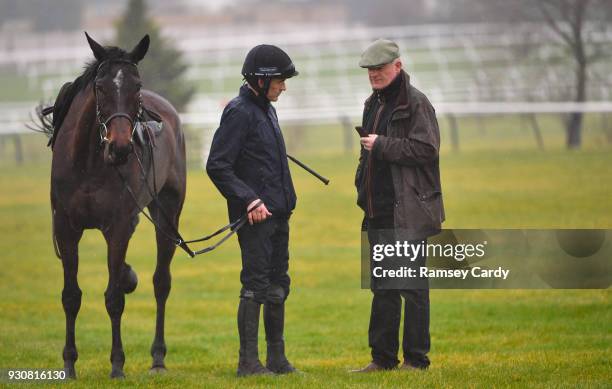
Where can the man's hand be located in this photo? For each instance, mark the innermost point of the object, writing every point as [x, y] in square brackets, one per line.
[368, 141]
[257, 214]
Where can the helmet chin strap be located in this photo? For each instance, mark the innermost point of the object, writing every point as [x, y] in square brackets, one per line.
[266, 87]
[262, 92]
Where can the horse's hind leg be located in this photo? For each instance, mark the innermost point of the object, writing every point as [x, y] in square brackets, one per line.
[68, 245]
[117, 239]
[167, 220]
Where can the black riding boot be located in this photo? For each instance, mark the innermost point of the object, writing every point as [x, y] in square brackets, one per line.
[274, 321]
[248, 328]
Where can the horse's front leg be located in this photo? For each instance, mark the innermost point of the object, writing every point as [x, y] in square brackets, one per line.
[68, 243]
[162, 280]
[117, 239]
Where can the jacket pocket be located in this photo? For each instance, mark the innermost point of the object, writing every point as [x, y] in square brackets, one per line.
[430, 203]
[398, 125]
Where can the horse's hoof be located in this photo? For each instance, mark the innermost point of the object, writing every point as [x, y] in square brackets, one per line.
[129, 279]
[117, 374]
[70, 372]
[158, 370]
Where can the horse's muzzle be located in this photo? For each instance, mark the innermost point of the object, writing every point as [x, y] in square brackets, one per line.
[115, 156]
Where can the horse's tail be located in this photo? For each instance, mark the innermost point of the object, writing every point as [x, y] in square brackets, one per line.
[42, 121]
[50, 118]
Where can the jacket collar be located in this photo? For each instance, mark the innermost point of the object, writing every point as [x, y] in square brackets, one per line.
[248, 94]
[403, 98]
[391, 91]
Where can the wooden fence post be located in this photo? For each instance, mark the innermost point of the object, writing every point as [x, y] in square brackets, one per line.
[454, 132]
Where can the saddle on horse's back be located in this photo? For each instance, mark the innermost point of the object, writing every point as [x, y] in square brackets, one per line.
[150, 123]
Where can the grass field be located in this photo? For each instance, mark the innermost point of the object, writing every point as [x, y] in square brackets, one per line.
[480, 338]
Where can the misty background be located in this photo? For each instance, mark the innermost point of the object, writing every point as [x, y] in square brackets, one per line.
[514, 63]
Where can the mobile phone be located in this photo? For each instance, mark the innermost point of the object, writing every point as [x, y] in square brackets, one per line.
[361, 131]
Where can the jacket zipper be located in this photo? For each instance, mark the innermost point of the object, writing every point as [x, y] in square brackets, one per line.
[369, 175]
[280, 156]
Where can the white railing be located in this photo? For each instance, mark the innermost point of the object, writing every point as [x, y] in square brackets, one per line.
[334, 114]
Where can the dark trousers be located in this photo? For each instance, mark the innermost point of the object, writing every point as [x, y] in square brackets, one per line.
[385, 317]
[265, 260]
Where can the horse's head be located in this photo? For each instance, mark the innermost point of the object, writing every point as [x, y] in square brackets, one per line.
[117, 88]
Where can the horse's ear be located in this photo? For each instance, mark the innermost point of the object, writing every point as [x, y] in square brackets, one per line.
[141, 49]
[98, 51]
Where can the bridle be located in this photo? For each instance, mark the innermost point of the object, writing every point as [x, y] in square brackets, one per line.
[104, 123]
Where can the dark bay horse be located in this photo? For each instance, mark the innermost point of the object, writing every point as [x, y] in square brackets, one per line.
[93, 148]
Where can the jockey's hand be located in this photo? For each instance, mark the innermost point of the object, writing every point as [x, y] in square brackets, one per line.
[259, 213]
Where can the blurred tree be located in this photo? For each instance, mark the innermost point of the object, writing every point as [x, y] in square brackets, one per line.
[580, 26]
[163, 68]
[577, 23]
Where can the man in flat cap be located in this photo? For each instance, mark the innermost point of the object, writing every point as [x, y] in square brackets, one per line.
[398, 186]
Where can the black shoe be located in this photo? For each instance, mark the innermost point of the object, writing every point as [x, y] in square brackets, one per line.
[248, 328]
[274, 322]
[370, 368]
[408, 366]
[247, 368]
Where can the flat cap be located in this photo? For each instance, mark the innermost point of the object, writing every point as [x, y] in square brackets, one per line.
[378, 53]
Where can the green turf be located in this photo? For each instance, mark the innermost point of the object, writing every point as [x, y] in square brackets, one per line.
[480, 338]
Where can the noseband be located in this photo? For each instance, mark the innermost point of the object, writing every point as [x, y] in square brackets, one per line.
[104, 123]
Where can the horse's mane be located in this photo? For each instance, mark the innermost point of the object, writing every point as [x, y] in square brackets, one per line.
[68, 92]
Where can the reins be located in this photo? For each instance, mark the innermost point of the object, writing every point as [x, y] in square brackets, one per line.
[174, 235]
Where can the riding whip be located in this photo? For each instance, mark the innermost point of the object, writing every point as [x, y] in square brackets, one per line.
[309, 170]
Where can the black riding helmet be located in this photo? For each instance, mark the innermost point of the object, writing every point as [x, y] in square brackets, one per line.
[267, 62]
